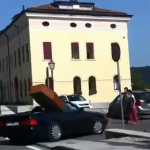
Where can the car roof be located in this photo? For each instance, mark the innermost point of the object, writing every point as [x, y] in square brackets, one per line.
[138, 91]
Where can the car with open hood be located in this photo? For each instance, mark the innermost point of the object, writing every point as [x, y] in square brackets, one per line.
[54, 120]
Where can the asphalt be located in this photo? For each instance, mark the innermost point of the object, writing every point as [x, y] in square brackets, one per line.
[144, 125]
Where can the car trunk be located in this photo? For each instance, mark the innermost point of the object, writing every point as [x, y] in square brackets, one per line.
[46, 98]
[15, 117]
[15, 124]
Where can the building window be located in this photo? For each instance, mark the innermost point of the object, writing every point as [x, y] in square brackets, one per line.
[77, 85]
[1, 90]
[47, 50]
[8, 90]
[20, 89]
[15, 61]
[11, 62]
[75, 51]
[73, 25]
[29, 84]
[116, 82]
[3, 64]
[0, 65]
[16, 84]
[25, 88]
[45, 23]
[23, 55]
[92, 85]
[27, 53]
[4, 92]
[89, 51]
[113, 26]
[6, 63]
[19, 57]
[88, 25]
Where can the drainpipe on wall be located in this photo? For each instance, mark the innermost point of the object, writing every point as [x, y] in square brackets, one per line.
[9, 71]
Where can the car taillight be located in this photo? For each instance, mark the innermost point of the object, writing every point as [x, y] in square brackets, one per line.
[1, 124]
[30, 122]
[141, 102]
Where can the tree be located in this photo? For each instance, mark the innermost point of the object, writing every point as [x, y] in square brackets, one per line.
[137, 82]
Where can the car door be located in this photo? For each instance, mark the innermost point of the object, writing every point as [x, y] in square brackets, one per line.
[71, 122]
[116, 106]
[86, 121]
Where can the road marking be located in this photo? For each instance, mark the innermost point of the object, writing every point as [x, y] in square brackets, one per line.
[33, 147]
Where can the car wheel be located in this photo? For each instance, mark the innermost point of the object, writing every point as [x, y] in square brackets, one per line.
[98, 127]
[55, 132]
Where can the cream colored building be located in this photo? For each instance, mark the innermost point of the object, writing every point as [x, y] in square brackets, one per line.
[77, 37]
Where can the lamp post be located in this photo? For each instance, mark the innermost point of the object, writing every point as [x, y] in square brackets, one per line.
[51, 65]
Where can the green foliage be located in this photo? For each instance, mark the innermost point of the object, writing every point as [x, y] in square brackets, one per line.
[140, 78]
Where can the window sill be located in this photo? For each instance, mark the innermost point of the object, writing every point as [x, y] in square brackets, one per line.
[75, 59]
[90, 60]
[46, 59]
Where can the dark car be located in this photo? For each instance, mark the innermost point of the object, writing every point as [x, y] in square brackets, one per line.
[52, 125]
[142, 103]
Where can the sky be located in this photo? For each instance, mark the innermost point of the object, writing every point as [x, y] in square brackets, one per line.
[138, 26]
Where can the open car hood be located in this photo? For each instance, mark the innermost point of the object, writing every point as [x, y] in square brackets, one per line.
[46, 98]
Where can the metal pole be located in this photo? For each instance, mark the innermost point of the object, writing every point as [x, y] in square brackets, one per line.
[52, 80]
[122, 115]
[48, 82]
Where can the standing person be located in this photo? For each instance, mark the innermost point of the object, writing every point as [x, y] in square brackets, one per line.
[125, 95]
[133, 109]
[125, 89]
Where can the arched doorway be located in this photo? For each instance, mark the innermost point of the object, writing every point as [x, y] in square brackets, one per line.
[16, 88]
[92, 85]
[77, 85]
[116, 82]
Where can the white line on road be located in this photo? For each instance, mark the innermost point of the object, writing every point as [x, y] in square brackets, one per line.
[33, 147]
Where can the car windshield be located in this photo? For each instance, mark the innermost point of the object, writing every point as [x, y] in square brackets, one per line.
[75, 98]
[145, 96]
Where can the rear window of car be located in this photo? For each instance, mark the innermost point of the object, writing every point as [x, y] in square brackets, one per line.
[145, 96]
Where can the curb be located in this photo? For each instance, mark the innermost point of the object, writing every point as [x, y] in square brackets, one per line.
[118, 133]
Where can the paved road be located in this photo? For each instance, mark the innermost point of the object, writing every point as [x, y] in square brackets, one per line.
[144, 125]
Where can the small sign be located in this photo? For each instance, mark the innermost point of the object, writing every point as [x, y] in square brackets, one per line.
[115, 51]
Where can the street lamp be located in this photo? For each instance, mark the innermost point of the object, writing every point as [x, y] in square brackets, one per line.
[51, 65]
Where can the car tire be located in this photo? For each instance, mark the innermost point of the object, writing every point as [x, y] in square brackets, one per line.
[55, 132]
[98, 127]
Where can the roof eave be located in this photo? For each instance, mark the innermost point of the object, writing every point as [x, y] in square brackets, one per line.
[77, 12]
